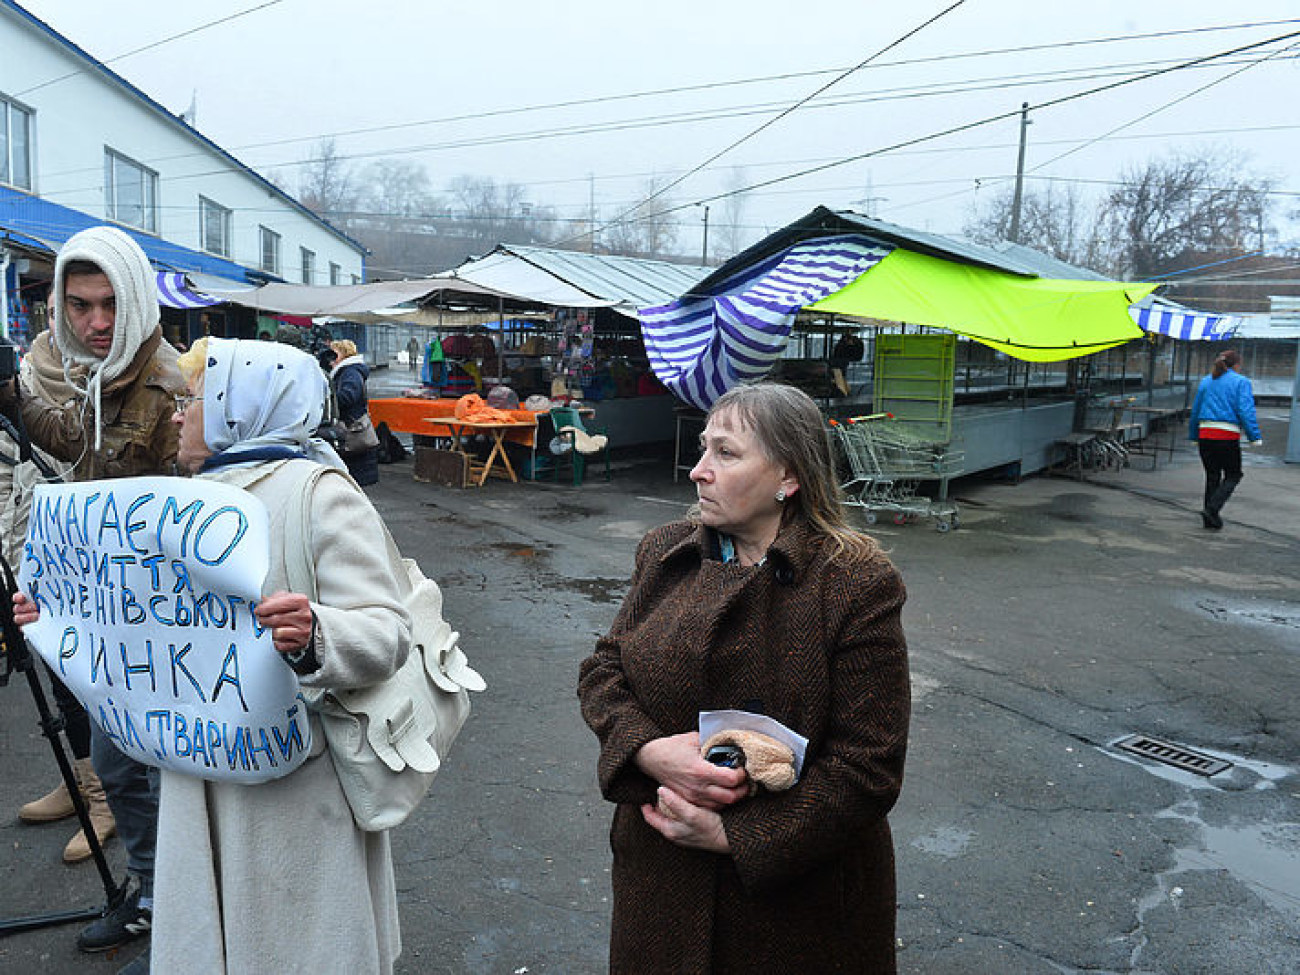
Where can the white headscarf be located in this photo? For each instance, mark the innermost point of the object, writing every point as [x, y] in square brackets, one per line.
[135, 294]
[259, 395]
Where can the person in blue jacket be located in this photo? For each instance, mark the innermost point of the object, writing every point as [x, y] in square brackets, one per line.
[1223, 411]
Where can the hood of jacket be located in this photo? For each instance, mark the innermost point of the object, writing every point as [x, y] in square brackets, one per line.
[136, 319]
[353, 360]
[135, 292]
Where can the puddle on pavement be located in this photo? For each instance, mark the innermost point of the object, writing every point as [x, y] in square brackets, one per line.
[567, 511]
[458, 579]
[516, 550]
[597, 590]
[1071, 507]
[1266, 858]
[1203, 577]
[1256, 612]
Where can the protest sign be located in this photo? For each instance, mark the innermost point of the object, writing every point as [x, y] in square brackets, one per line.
[146, 588]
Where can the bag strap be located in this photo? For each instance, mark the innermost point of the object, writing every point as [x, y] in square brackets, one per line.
[299, 565]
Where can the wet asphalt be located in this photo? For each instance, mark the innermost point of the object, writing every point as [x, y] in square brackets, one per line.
[1061, 617]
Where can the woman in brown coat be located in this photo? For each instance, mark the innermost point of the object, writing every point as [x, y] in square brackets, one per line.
[764, 602]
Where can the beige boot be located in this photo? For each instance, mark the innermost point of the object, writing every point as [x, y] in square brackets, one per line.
[47, 809]
[101, 818]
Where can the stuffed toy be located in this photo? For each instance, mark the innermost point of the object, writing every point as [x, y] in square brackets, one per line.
[768, 762]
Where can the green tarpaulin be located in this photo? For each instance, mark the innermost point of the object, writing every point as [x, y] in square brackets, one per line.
[1035, 319]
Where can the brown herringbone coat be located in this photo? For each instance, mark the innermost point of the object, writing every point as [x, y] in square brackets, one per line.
[818, 645]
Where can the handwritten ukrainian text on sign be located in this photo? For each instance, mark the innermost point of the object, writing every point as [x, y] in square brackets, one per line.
[146, 588]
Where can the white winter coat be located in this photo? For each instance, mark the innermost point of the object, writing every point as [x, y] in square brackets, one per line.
[277, 877]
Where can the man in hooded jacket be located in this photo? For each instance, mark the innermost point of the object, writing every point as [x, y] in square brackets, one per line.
[106, 340]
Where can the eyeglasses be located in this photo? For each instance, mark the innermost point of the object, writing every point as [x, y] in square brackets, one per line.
[183, 402]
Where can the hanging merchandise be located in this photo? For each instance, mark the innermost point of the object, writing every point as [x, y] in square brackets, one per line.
[577, 327]
[433, 371]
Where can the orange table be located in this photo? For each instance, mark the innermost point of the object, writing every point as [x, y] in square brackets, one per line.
[427, 417]
[479, 472]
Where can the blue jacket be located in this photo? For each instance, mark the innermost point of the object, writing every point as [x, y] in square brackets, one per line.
[348, 378]
[1228, 399]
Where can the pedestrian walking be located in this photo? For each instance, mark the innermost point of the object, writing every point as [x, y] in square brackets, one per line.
[1224, 410]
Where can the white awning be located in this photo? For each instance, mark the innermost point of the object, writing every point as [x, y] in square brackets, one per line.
[343, 300]
[504, 272]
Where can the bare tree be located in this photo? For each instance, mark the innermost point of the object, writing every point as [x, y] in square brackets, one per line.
[390, 188]
[731, 236]
[495, 213]
[649, 229]
[326, 185]
[1054, 220]
[400, 218]
[1183, 211]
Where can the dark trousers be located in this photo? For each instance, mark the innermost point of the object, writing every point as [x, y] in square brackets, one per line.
[76, 723]
[132, 792]
[1222, 462]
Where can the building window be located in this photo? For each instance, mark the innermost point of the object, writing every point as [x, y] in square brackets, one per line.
[214, 227]
[270, 250]
[15, 145]
[308, 265]
[130, 192]
[336, 274]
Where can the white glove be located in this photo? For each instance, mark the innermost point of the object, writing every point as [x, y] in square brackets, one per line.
[1257, 443]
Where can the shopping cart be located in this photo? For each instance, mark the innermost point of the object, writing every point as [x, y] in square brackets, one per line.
[887, 461]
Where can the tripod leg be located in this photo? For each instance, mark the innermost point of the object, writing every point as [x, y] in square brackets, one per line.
[19, 658]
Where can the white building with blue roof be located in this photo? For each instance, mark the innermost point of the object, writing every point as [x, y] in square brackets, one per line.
[80, 145]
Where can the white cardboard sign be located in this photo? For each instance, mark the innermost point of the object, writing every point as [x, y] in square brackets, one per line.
[146, 588]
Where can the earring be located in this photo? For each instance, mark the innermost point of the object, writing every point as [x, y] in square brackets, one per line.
[780, 495]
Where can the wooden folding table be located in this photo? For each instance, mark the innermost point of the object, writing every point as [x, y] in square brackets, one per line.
[479, 473]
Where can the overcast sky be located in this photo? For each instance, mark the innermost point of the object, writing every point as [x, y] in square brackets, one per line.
[472, 88]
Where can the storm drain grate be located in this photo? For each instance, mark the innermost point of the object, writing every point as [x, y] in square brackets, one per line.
[1171, 754]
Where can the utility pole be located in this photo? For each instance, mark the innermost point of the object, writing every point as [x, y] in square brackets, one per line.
[591, 198]
[704, 250]
[1020, 175]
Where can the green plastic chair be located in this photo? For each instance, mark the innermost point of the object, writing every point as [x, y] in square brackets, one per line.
[564, 443]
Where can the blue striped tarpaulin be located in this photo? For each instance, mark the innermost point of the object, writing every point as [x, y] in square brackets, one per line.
[174, 292]
[702, 345]
[1176, 321]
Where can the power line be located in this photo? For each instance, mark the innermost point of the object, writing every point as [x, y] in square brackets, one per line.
[1141, 118]
[159, 43]
[1169, 104]
[1182, 65]
[761, 79]
[994, 147]
[1001, 116]
[661, 191]
[694, 116]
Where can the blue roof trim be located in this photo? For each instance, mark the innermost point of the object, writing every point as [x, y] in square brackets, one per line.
[40, 225]
[118, 80]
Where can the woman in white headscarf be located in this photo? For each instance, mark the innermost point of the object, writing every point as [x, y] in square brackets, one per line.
[277, 877]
